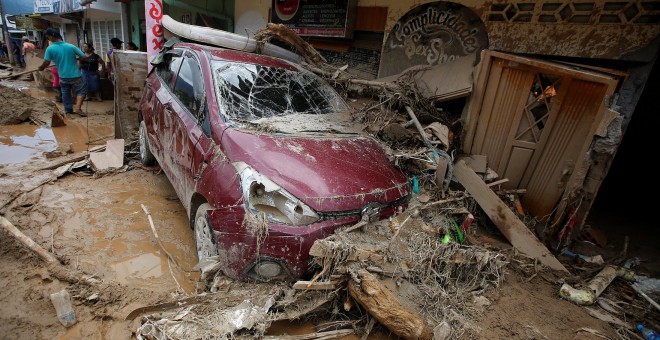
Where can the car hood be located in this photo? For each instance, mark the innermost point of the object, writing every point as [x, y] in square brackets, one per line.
[326, 172]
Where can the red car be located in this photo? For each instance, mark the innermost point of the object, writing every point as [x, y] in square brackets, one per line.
[260, 157]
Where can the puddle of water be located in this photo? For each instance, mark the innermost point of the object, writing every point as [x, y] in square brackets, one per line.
[143, 266]
[73, 133]
[113, 237]
[22, 143]
[129, 243]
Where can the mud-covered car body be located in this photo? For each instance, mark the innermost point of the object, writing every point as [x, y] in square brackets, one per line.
[237, 133]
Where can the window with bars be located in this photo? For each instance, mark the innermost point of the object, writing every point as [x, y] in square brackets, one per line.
[102, 32]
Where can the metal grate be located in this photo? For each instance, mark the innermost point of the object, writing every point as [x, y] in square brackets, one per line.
[102, 31]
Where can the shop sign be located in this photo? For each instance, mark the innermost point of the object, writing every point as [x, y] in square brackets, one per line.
[43, 6]
[66, 6]
[432, 34]
[30, 24]
[322, 18]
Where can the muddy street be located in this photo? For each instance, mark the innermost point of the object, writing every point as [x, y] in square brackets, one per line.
[96, 226]
[121, 276]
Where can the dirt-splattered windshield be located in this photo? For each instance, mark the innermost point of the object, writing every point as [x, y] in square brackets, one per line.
[248, 92]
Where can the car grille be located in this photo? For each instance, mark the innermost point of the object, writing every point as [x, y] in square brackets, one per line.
[334, 215]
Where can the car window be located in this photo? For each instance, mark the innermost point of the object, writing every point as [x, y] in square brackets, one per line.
[168, 69]
[249, 91]
[189, 87]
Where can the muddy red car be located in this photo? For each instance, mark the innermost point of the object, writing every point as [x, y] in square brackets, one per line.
[263, 156]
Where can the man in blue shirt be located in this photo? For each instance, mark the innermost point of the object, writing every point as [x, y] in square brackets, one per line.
[65, 56]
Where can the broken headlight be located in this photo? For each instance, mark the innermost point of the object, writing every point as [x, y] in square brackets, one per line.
[264, 196]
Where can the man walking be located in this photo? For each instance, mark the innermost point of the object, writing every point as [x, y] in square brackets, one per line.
[65, 56]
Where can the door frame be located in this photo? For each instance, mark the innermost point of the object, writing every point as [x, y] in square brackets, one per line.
[472, 113]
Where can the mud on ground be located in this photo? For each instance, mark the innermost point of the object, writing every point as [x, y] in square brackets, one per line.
[96, 226]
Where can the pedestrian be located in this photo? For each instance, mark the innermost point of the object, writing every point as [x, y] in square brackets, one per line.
[116, 45]
[56, 83]
[27, 45]
[17, 51]
[65, 57]
[131, 46]
[89, 65]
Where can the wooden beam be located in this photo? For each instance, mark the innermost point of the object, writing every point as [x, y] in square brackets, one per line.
[309, 285]
[506, 221]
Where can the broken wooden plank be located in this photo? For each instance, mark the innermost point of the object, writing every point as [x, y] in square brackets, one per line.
[112, 157]
[72, 158]
[506, 221]
[309, 285]
[492, 184]
[335, 334]
[386, 308]
[219, 300]
[478, 163]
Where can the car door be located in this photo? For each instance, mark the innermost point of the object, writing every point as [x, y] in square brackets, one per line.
[157, 105]
[190, 141]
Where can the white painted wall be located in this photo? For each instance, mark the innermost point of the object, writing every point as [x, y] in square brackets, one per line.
[107, 5]
[249, 23]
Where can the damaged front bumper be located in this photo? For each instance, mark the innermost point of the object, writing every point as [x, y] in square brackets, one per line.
[253, 249]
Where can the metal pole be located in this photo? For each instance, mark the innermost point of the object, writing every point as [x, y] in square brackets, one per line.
[5, 33]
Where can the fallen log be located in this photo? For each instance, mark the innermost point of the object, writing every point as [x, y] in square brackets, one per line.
[589, 294]
[28, 242]
[54, 266]
[383, 305]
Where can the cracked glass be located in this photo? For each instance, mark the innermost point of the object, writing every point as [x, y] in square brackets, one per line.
[249, 92]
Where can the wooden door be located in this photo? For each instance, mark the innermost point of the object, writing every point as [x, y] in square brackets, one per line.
[534, 121]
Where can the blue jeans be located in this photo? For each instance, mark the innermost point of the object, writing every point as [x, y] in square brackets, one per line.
[78, 86]
[91, 79]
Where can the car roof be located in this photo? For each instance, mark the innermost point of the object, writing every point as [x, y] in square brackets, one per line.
[219, 53]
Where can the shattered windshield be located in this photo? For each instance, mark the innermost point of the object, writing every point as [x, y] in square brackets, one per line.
[249, 92]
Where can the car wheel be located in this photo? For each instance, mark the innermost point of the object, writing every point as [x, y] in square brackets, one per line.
[204, 240]
[146, 157]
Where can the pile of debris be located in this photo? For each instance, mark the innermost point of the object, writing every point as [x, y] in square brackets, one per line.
[15, 109]
[419, 274]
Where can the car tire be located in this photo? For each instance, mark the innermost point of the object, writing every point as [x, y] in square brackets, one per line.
[146, 157]
[204, 239]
